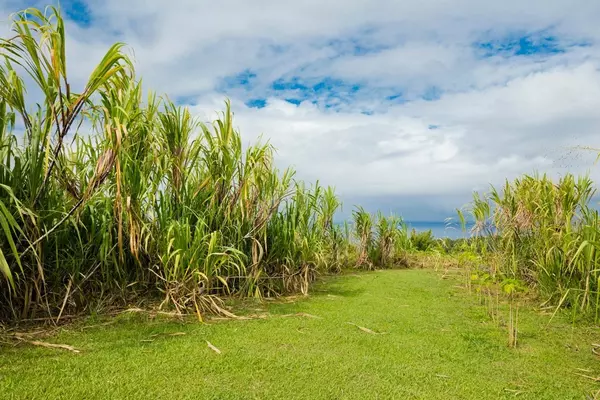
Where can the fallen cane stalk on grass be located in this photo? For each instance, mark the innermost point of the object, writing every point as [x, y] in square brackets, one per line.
[213, 348]
[301, 314]
[241, 317]
[152, 313]
[228, 315]
[49, 345]
[163, 334]
[367, 330]
[595, 379]
[514, 391]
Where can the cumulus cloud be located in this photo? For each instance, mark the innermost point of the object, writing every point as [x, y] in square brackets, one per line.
[405, 106]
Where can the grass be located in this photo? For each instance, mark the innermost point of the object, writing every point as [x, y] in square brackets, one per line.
[439, 343]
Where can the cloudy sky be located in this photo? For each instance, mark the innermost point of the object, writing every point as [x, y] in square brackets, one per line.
[402, 105]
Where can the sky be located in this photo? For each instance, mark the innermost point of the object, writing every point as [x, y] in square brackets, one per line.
[404, 106]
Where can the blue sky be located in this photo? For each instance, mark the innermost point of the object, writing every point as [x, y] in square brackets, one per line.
[405, 106]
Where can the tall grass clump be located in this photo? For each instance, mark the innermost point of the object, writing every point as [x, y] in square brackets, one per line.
[107, 194]
[381, 241]
[545, 234]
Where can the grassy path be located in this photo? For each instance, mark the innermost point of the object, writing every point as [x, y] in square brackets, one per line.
[439, 344]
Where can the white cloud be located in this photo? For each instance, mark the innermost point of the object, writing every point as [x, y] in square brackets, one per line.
[496, 117]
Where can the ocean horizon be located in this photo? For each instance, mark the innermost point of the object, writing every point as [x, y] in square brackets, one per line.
[440, 229]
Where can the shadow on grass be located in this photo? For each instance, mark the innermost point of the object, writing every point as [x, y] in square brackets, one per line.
[342, 285]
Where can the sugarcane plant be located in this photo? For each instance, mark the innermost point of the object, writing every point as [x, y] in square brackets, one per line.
[543, 233]
[108, 195]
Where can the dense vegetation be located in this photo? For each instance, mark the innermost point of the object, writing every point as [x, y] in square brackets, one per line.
[103, 193]
[539, 234]
[108, 195]
[111, 196]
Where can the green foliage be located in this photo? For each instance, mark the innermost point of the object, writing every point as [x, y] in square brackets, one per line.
[422, 241]
[363, 230]
[107, 195]
[455, 246]
[382, 241]
[546, 235]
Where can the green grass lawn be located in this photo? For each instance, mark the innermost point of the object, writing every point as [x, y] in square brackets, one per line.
[439, 343]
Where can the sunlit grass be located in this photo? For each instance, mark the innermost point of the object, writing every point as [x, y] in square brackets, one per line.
[438, 343]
